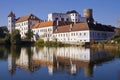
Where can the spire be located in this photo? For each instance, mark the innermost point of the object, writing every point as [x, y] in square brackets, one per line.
[11, 14]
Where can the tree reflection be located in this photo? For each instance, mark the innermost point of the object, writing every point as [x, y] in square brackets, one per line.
[63, 59]
[13, 55]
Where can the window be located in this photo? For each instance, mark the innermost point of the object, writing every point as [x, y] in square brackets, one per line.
[64, 34]
[56, 19]
[76, 34]
[84, 33]
[80, 34]
[76, 19]
[67, 19]
[98, 34]
[62, 19]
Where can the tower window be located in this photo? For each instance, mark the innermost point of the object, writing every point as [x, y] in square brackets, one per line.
[56, 19]
[62, 19]
[67, 19]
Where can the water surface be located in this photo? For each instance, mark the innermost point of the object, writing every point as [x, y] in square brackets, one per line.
[63, 63]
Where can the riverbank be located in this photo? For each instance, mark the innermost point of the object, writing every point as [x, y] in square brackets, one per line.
[42, 43]
[105, 46]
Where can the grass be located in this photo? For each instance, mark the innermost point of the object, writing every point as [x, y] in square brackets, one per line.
[41, 43]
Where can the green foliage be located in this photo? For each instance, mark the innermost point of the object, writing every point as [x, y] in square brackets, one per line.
[15, 37]
[2, 35]
[29, 34]
[115, 38]
[7, 38]
[41, 43]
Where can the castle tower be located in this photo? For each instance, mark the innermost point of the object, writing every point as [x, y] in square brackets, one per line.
[88, 14]
[11, 22]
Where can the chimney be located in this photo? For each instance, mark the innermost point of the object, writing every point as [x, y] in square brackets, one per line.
[57, 23]
[71, 25]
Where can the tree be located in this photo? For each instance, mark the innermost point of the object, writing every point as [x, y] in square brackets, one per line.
[29, 34]
[7, 38]
[15, 37]
[2, 35]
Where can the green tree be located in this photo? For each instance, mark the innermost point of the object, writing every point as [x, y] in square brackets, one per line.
[2, 35]
[29, 34]
[15, 37]
[7, 38]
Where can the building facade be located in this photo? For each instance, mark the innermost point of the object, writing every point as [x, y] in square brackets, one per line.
[70, 16]
[67, 27]
[22, 23]
[74, 33]
[11, 22]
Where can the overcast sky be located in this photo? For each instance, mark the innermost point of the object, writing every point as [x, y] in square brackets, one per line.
[105, 11]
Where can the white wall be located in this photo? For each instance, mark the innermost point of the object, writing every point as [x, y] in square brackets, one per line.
[11, 24]
[44, 32]
[100, 35]
[22, 27]
[73, 37]
[73, 17]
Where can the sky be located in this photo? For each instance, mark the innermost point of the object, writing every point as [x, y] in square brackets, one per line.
[104, 11]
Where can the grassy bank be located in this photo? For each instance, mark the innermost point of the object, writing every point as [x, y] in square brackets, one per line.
[105, 46]
[41, 43]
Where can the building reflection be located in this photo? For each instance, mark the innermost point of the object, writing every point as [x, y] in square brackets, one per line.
[63, 59]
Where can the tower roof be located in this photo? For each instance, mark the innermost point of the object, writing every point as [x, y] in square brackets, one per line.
[11, 14]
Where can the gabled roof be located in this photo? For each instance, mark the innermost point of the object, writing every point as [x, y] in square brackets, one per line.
[100, 27]
[25, 18]
[84, 26]
[73, 11]
[11, 14]
[72, 27]
[62, 29]
[80, 26]
[50, 23]
[44, 24]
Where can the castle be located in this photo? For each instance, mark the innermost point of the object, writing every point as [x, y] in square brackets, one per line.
[69, 27]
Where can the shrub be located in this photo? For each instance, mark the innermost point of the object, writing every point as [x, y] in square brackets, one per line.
[39, 43]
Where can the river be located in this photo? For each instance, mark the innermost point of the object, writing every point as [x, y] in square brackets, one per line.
[58, 63]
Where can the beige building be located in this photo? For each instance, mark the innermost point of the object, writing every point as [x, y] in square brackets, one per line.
[22, 23]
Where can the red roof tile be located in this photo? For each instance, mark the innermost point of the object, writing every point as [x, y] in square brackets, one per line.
[50, 23]
[25, 18]
[11, 14]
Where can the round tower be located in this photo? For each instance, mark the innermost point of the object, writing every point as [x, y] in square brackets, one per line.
[88, 13]
[11, 22]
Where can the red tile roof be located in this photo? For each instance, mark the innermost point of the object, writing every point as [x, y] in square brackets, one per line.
[80, 26]
[75, 27]
[44, 24]
[83, 26]
[50, 23]
[11, 14]
[62, 29]
[25, 18]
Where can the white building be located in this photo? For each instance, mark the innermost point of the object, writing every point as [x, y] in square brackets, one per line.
[11, 22]
[83, 33]
[73, 33]
[70, 16]
[67, 27]
[45, 30]
[22, 23]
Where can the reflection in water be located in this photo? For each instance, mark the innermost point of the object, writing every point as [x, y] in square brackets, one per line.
[67, 59]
